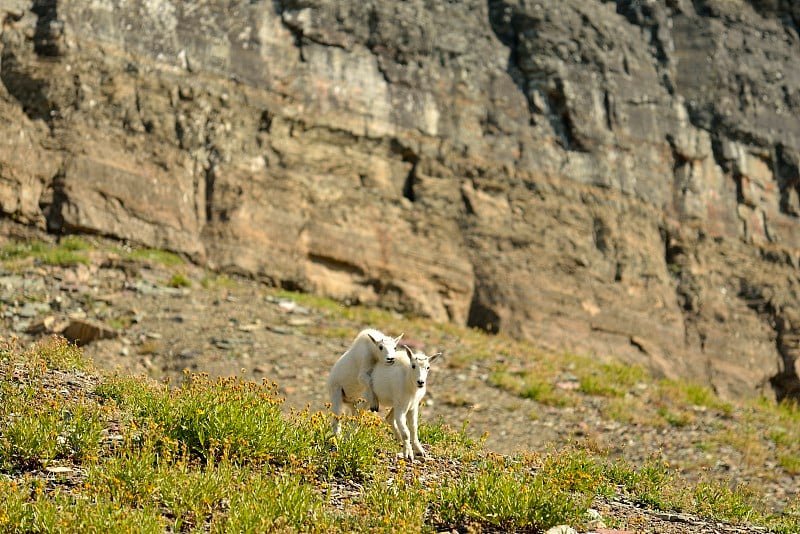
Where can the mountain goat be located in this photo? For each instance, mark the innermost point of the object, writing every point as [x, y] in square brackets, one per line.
[402, 386]
[351, 374]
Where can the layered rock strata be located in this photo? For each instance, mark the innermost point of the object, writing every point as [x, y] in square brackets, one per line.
[612, 177]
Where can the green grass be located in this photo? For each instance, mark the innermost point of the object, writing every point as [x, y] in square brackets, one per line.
[179, 280]
[530, 385]
[607, 379]
[215, 280]
[224, 455]
[70, 251]
[163, 257]
[507, 498]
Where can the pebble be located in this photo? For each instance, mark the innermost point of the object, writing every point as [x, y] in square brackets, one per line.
[59, 469]
[224, 344]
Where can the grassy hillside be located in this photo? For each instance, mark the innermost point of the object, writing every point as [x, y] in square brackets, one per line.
[84, 451]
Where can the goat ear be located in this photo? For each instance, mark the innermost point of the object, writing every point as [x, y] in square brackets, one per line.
[398, 338]
[435, 357]
[410, 354]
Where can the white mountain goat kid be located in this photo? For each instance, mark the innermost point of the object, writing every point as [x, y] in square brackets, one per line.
[402, 386]
[351, 374]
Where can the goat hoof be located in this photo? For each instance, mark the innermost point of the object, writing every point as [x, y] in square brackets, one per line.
[374, 408]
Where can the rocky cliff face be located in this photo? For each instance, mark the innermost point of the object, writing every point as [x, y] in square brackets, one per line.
[613, 177]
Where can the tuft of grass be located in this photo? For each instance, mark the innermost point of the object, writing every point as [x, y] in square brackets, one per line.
[790, 463]
[56, 352]
[693, 395]
[653, 485]
[30, 508]
[608, 379]
[675, 418]
[75, 243]
[221, 280]
[316, 302]
[445, 441]
[120, 322]
[179, 280]
[163, 257]
[353, 454]
[22, 249]
[717, 499]
[529, 385]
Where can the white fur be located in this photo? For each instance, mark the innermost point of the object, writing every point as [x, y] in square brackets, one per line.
[351, 374]
[402, 386]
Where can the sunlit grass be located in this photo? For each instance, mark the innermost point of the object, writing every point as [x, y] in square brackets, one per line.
[218, 280]
[530, 385]
[531, 493]
[607, 379]
[225, 455]
[162, 257]
[70, 251]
